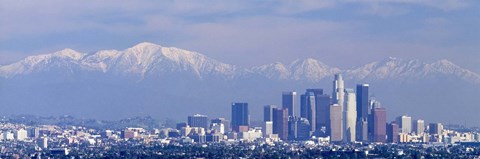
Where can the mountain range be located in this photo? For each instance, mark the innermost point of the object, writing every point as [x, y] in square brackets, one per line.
[149, 79]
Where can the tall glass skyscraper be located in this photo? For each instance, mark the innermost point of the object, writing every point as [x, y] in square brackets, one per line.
[308, 108]
[362, 112]
[268, 112]
[288, 101]
[362, 101]
[280, 123]
[323, 113]
[240, 116]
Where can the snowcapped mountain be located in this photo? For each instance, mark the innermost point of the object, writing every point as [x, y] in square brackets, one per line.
[307, 69]
[144, 59]
[171, 82]
[407, 70]
[152, 60]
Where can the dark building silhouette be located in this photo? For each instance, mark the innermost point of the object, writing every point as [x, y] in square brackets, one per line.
[362, 112]
[240, 116]
[308, 108]
[322, 115]
[268, 112]
[198, 120]
[288, 101]
[392, 132]
[181, 125]
[280, 123]
[362, 101]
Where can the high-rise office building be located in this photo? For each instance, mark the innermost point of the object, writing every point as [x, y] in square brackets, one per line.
[288, 101]
[280, 123]
[322, 114]
[372, 104]
[308, 108]
[405, 123]
[240, 116]
[198, 120]
[362, 101]
[392, 132]
[350, 115]
[267, 128]
[379, 124]
[292, 127]
[338, 90]
[336, 124]
[419, 126]
[268, 112]
[362, 112]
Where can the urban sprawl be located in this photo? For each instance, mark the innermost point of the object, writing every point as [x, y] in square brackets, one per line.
[346, 124]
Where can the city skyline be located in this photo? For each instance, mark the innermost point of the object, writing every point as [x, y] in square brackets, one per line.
[240, 79]
[302, 74]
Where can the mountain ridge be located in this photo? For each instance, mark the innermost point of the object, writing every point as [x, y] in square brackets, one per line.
[149, 59]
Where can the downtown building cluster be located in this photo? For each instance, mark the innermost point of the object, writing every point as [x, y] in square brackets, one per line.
[346, 116]
[347, 120]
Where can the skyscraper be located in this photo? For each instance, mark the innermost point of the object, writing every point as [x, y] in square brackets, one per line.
[268, 112]
[240, 116]
[198, 120]
[323, 114]
[338, 90]
[350, 115]
[362, 101]
[362, 112]
[405, 123]
[392, 133]
[379, 124]
[372, 104]
[267, 128]
[308, 108]
[419, 126]
[336, 124]
[288, 101]
[280, 123]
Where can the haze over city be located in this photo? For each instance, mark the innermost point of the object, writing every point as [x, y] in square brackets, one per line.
[240, 79]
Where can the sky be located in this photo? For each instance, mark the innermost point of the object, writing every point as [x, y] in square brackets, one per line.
[341, 33]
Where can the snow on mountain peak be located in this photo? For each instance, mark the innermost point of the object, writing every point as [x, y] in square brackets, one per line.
[69, 53]
[146, 59]
[311, 69]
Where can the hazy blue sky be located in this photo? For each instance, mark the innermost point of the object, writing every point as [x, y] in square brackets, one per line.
[342, 33]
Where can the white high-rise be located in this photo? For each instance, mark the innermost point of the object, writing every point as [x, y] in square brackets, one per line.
[419, 126]
[405, 123]
[338, 90]
[350, 115]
